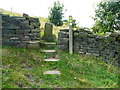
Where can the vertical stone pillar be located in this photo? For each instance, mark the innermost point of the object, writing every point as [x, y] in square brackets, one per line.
[48, 32]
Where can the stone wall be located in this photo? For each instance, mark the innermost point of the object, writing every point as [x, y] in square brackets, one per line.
[106, 47]
[19, 31]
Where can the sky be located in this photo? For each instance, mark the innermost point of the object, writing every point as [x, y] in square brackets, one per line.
[81, 10]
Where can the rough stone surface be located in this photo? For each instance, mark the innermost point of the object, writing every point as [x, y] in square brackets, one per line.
[48, 32]
[107, 46]
[24, 28]
[50, 43]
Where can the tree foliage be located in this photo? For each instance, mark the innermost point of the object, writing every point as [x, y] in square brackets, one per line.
[107, 18]
[74, 24]
[56, 13]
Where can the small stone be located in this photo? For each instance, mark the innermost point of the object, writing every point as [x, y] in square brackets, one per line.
[52, 59]
[50, 43]
[49, 51]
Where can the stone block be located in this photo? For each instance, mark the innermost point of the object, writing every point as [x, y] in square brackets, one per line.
[11, 27]
[63, 41]
[63, 35]
[48, 29]
[37, 30]
[5, 17]
[33, 45]
[11, 43]
[8, 31]
[48, 32]
[34, 24]
[110, 39]
[85, 31]
[63, 47]
[64, 30]
[26, 16]
[31, 19]
[9, 35]
[33, 36]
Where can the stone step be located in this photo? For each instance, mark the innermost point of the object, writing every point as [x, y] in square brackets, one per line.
[49, 51]
[33, 42]
[52, 59]
[50, 43]
[52, 72]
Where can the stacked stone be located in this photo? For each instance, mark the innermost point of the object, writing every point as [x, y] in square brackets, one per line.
[63, 39]
[85, 42]
[34, 28]
[19, 30]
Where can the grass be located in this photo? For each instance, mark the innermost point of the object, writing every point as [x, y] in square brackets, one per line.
[25, 67]
[10, 12]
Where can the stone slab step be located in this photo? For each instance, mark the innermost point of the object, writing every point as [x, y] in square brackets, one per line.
[52, 72]
[50, 43]
[33, 42]
[50, 51]
[52, 59]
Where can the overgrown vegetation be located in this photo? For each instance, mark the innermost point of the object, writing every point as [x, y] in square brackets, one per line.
[56, 14]
[107, 16]
[25, 67]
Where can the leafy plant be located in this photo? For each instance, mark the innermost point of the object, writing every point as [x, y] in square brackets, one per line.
[107, 17]
[56, 14]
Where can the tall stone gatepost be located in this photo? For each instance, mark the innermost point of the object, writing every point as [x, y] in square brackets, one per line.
[48, 32]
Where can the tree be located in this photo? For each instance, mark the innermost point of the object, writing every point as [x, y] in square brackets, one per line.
[56, 14]
[74, 24]
[107, 18]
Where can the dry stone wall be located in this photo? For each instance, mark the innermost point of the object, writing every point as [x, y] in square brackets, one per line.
[106, 47]
[18, 31]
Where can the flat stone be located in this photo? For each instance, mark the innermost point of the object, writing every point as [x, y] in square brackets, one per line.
[52, 72]
[52, 59]
[50, 43]
[51, 51]
[33, 42]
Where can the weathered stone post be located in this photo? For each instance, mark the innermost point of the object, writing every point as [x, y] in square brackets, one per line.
[48, 35]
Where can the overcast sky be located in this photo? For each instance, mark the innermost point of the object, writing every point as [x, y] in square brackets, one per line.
[81, 10]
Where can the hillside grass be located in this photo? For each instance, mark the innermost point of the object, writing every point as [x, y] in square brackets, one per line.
[10, 12]
[25, 67]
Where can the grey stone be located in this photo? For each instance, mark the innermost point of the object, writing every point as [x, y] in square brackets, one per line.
[52, 59]
[9, 31]
[63, 41]
[63, 47]
[63, 35]
[14, 27]
[105, 47]
[48, 33]
[52, 72]
[49, 51]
